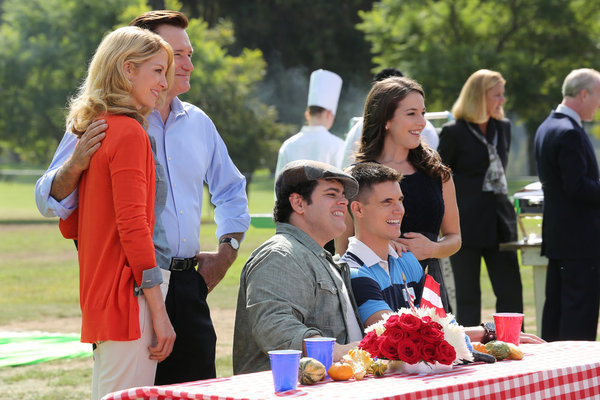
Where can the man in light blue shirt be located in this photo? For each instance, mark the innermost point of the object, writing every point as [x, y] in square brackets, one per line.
[191, 152]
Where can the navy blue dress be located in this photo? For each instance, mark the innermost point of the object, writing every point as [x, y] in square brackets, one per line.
[424, 211]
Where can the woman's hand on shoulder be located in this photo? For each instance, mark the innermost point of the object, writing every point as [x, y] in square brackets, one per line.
[418, 244]
[398, 247]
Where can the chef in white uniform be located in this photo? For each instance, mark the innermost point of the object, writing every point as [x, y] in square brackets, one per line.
[314, 141]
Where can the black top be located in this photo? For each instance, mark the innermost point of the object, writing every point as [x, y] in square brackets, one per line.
[423, 204]
[424, 211]
[486, 218]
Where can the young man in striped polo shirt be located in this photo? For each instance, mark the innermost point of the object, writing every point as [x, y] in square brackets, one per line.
[378, 272]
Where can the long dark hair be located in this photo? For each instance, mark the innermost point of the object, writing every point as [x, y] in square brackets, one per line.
[381, 103]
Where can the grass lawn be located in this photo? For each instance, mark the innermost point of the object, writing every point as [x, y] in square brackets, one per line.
[38, 271]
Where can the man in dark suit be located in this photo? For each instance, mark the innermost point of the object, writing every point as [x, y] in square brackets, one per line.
[568, 170]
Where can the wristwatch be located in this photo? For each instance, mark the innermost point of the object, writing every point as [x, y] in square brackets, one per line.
[231, 241]
[490, 332]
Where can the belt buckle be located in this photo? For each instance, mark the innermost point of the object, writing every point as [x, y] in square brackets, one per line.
[178, 264]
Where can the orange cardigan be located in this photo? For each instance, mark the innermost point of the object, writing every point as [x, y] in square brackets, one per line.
[114, 224]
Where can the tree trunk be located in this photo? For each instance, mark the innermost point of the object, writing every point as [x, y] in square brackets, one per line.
[531, 127]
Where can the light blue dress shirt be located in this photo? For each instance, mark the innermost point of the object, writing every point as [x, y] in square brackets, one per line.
[191, 152]
[561, 108]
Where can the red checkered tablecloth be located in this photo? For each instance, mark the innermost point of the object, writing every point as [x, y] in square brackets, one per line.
[558, 370]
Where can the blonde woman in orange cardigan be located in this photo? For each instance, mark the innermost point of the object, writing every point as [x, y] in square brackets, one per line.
[123, 310]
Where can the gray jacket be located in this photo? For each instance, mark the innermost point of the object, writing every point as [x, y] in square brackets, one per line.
[288, 292]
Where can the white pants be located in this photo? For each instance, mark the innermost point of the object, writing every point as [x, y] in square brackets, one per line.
[120, 365]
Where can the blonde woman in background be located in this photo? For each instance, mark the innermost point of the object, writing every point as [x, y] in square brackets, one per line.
[123, 310]
[475, 146]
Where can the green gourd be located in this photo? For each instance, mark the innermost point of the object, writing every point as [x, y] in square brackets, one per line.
[378, 368]
[310, 371]
[498, 349]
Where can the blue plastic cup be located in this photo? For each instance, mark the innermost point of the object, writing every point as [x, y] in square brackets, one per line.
[284, 366]
[321, 349]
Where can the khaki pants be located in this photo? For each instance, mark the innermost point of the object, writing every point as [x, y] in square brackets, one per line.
[120, 365]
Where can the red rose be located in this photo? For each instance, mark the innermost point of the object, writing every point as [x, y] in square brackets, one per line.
[392, 320]
[415, 337]
[388, 347]
[409, 322]
[399, 335]
[427, 319]
[445, 353]
[435, 325]
[369, 343]
[430, 334]
[408, 351]
[396, 331]
[428, 352]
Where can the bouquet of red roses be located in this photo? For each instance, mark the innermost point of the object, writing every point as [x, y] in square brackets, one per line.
[409, 338]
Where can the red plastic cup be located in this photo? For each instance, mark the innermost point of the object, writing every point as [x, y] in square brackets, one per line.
[508, 327]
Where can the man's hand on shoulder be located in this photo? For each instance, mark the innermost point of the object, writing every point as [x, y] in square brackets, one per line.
[214, 265]
[88, 144]
[67, 177]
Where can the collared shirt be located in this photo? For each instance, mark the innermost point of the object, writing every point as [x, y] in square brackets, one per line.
[311, 143]
[154, 276]
[191, 153]
[289, 291]
[561, 108]
[376, 289]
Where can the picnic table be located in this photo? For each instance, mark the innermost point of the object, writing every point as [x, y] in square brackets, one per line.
[558, 370]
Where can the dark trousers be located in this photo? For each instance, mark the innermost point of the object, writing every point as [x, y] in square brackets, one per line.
[193, 356]
[503, 269]
[572, 300]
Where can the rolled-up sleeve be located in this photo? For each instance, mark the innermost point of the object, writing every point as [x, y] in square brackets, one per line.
[151, 277]
[46, 204]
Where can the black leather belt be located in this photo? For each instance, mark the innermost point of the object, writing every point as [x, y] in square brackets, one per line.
[183, 264]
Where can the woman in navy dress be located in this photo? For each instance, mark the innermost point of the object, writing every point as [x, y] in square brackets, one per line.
[394, 118]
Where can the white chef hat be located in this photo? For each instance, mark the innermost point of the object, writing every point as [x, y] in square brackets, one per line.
[324, 90]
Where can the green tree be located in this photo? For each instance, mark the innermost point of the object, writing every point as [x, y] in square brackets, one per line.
[44, 49]
[296, 38]
[226, 88]
[533, 43]
[44, 54]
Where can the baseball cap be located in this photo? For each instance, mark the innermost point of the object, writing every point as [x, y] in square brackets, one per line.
[299, 171]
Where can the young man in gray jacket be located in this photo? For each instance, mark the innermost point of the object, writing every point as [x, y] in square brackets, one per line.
[290, 287]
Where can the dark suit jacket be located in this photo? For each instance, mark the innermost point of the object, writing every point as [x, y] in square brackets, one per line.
[486, 218]
[568, 170]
